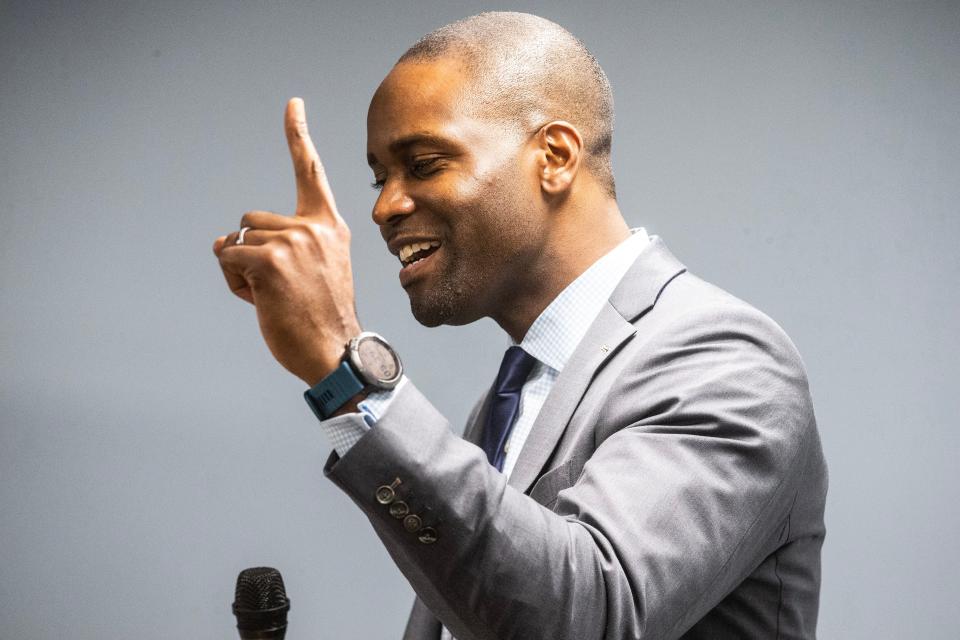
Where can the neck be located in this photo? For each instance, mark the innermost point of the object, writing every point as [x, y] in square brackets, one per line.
[577, 241]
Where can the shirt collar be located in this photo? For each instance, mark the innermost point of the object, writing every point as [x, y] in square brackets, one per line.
[558, 330]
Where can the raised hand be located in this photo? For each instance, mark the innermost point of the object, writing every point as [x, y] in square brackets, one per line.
[296, 269]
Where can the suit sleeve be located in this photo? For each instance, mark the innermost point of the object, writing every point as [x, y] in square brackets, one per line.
[697, 461]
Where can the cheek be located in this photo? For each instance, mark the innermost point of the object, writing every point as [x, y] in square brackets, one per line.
[485, 212]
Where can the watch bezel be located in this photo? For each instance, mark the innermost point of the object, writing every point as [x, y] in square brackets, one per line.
[353, 353]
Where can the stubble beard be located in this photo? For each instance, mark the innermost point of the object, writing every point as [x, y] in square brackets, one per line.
[439, 306]
[471, 282]
[450, 299]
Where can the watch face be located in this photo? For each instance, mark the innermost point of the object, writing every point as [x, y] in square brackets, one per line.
[379, 363]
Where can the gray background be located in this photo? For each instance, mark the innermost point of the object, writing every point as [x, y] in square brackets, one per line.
[802, 155]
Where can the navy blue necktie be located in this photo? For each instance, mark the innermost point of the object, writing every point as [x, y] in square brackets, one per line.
[514, 370]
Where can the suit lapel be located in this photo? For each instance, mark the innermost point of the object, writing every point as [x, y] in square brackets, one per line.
[608, 331]
[652, 271]
[637, 292]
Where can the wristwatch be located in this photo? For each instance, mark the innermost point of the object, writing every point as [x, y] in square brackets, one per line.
[369, 363]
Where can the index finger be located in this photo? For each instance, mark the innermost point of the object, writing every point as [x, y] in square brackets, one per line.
[314, 196]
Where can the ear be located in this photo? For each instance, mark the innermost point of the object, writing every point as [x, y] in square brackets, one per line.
[561, 148]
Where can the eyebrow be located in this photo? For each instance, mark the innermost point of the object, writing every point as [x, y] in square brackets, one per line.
[404, 143]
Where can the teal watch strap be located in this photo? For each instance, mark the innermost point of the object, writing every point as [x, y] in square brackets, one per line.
[332, 392]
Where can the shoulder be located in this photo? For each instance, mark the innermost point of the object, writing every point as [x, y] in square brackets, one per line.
[690, 311]
[706, 363]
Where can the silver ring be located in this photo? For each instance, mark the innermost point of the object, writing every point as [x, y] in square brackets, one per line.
[243, 232]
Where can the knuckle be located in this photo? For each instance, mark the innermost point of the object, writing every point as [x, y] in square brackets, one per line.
[299, 236]
[276, 258]
[324, 234]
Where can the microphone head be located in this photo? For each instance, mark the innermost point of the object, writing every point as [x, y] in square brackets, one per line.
[261, 603]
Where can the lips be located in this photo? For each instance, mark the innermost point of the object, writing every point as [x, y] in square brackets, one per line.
[415, 251]
[419, 264]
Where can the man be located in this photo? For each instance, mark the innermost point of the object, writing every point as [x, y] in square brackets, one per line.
[648, 462]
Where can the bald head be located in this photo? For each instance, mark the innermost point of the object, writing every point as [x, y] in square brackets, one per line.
[526, 71]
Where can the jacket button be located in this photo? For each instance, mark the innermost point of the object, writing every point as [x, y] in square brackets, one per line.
[399, 509]
[428, 535]
[412, 523]
[385, 495]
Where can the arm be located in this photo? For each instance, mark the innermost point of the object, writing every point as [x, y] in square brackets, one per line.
[688, 489]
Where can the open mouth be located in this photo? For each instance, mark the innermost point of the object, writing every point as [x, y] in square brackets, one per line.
[415, 252]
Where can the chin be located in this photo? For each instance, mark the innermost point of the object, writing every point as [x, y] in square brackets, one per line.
[440, 310]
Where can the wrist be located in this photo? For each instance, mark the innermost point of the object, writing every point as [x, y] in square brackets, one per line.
[318, 373]
[370, 363]
[326, 363]
[331, 354]
[352, 405]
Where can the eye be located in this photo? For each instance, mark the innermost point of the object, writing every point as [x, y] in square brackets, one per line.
[377, 185]
[424, 167]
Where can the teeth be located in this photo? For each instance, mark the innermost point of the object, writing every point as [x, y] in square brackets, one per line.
[408, 250]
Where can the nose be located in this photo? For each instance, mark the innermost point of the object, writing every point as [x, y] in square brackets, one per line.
[392, 204]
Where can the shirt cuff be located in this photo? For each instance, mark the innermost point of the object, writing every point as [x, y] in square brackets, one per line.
[345, 430]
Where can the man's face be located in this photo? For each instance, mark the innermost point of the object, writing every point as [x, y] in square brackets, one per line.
[458, 190]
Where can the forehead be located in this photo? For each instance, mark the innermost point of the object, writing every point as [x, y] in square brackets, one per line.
[420, 99]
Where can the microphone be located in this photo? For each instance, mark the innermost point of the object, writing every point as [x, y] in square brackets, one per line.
[261, 604]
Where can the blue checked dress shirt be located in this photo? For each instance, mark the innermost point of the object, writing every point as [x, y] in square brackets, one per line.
[551, 339]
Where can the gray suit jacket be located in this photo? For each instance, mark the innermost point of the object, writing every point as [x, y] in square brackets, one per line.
[672, 486]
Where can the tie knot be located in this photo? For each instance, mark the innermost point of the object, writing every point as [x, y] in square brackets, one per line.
[514, 370]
